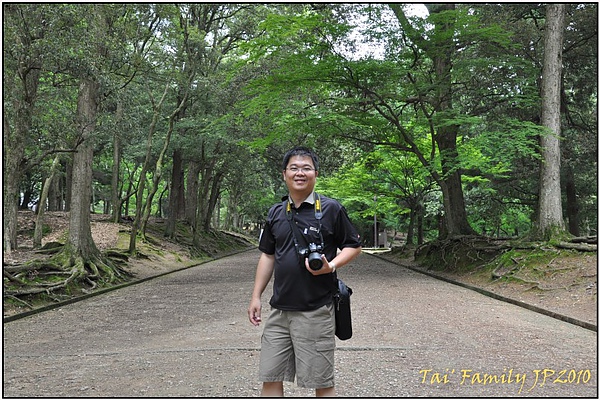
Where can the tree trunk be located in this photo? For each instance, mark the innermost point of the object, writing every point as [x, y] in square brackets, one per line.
[39, 221]
[192, 188]
[13, 154]
[176, 195]
[116, 199]
[154, 183]
[572, 204]
[455, 218]
[550, 219]
[213, 198]
[410, 232]
[420, 228]
[80, 233]
[21, 82]
[68, 183]
[139, 204]
[55, 195]
[205, 197]
[203, 201]
[455, 214]
[80, 256]
[176, 207]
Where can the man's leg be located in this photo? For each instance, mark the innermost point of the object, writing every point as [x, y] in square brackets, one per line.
[272, 389]
[313, 333]
[326, 392]
[276, 355]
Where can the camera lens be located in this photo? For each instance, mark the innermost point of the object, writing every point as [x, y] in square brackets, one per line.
[314, 261]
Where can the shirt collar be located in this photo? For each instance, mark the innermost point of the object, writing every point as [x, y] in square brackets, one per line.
[310, 199]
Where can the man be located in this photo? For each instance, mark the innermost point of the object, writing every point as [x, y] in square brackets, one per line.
[299, 336]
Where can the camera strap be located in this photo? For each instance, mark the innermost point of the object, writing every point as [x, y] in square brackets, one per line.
[295, 231]
[297, 234]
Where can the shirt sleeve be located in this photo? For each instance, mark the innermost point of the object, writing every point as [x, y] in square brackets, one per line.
[266, 242]
[345, 233]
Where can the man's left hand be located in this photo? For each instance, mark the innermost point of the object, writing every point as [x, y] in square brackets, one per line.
[325, 269]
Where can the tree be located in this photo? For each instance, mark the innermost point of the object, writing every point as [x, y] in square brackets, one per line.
[550, 221]
[140, 204]
[39, 222]
[80, 242]
[579, 122]
[79, 260]
[410, 93]
[444, 133]
[159, 162]
[210, 34]
[80, 251]
[520, 69]
[23, 65]
[453, 100]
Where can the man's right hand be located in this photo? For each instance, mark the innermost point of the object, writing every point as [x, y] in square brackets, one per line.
[254, 312]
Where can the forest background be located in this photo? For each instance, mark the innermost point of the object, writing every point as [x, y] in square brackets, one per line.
[475, 120]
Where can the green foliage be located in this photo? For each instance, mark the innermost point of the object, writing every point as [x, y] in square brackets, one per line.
[493, 148]
[264, 77]
[493, 215]
[385, 184]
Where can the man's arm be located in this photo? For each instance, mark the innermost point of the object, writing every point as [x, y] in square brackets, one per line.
[264, 271]
[342, 258]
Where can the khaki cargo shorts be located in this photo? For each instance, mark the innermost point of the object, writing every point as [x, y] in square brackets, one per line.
[300, 344]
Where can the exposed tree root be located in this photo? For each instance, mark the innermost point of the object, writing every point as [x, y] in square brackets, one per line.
[26, 304]
[13, 278]
[63, 272]
[578, 246]
[50, 248]
[539, 286]
[453, 253]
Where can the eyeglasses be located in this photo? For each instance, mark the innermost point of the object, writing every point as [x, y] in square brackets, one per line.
[305, 170]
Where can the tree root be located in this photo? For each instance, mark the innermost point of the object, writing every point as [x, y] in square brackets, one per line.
[13, 278]
[457, 252]
[26, 304]
[62, 272]
[33, 265]
[535, 284]
[578, 246]
[51, 248]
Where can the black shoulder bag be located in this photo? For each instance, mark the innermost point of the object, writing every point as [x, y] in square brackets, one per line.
[341, 297]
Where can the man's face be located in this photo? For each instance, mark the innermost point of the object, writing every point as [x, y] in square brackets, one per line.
[300, 174]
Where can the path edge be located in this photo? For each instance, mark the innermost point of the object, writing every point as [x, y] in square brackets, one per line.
[531, 307]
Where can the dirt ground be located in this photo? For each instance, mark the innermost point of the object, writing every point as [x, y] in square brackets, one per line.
[569, 286]
[186, 334]
[158, 260]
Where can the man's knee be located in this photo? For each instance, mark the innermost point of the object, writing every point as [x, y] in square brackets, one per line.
[272, 389]
[326, 392]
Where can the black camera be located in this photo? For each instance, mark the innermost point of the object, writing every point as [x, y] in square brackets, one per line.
[313, 253]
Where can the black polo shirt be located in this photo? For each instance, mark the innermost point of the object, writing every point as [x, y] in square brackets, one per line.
[295, 288]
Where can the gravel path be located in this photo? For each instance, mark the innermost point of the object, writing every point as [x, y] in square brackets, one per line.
[186, 334]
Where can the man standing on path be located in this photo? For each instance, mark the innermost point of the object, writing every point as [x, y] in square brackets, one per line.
[299, 336]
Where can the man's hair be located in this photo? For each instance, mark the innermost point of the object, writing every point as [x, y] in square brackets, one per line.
[301, 151]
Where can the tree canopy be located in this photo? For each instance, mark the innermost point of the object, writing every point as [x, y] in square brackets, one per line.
[431, 123]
